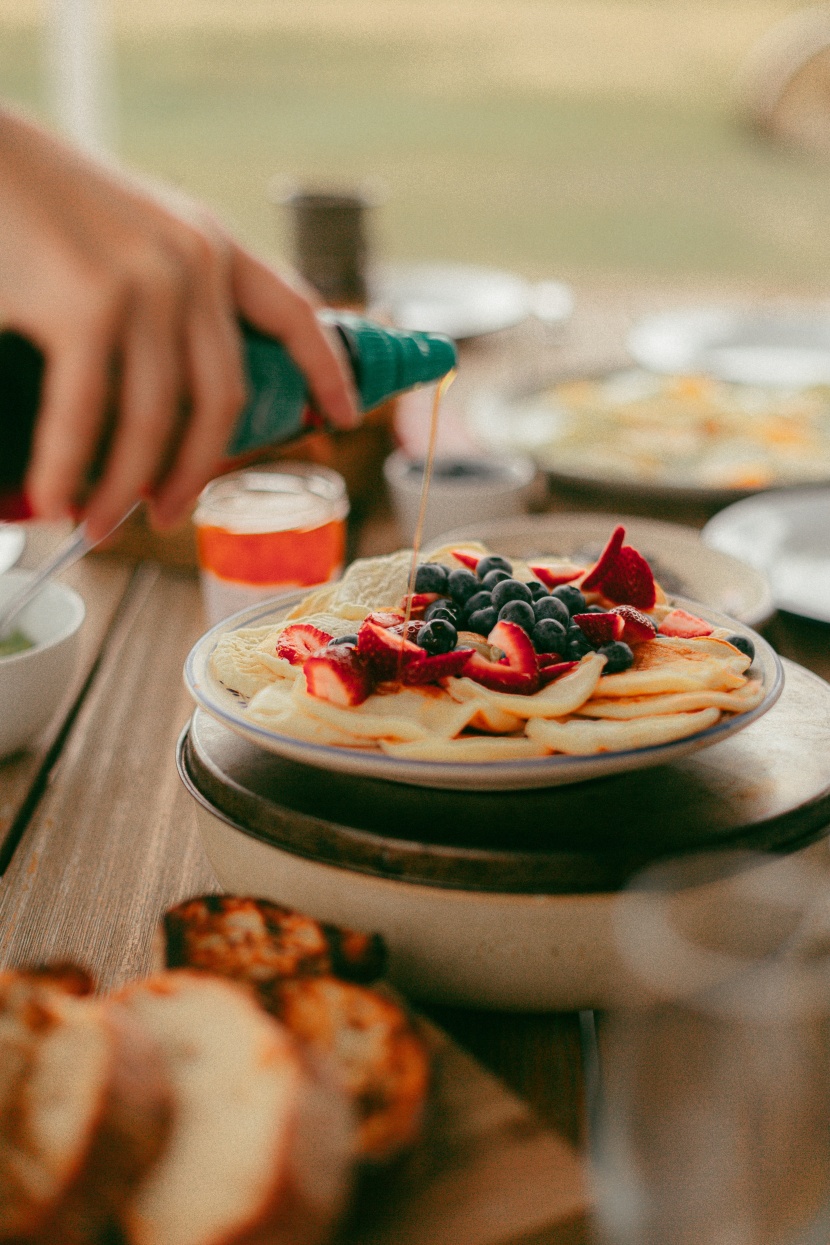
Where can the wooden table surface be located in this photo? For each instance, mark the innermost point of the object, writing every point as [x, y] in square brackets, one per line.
[98, 837]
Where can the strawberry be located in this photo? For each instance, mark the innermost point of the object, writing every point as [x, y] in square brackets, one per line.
[440, 666]
[548, 673]
[600, 628]
[418, 603]
[384, 651]
[638, 627]
[299, 641]
[413, 630]
[470, 560]
[516, 645]
[339, 676]
[498, 677]
[621, 574]
[385, 618]
[685, 626]
[548, 659]
[560, 573]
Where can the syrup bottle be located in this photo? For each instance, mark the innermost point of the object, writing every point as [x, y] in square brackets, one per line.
[385, 362]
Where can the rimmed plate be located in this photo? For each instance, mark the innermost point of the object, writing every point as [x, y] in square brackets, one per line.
[549, 771]
[12, 542]
[682, 563]
[786, 536]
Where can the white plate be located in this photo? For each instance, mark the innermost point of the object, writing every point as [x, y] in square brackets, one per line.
[12, 542]
[463, 300]
[786, 535]
[548, 771]
[790, 349]
[682, 562]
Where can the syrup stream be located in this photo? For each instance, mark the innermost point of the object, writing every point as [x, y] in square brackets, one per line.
[442, 387]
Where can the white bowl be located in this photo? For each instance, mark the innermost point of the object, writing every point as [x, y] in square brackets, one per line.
[33, 683]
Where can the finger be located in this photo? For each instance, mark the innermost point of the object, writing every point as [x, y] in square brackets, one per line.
[271, 305]
[148, 411]
[69, 423]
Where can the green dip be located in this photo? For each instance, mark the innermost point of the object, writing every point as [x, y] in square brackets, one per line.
[17, 642]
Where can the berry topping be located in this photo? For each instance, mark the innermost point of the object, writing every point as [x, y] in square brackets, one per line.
[492, 578]
[519, 612]
[462, 585]
[515, 643]
[384, 651]
[638, 627]
[482, 621]
[510, 590]
[419, 602]
[559, 573]
[431, 577]
[470, 560]
[442, 608]
[618, 657]
[552, 607]
[548, 673]
[439, 666]
[385, 618]
[493, 563]
[578, 643]
[338, 675]
[571, 597]
[536, 589]
[549, 636]
[743, 644]
[498, 677]
[299, 641]
[622, 575]
[600, 628]
[684, 626]
[478, 601]
[343, 639]
[438, 636]
[596, 609]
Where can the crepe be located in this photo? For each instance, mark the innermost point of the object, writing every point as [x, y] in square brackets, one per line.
[583, 738]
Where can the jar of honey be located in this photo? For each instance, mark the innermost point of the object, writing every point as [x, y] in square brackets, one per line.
[267, 530]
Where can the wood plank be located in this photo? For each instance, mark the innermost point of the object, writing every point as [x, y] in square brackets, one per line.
[113, 842]
[102, 586]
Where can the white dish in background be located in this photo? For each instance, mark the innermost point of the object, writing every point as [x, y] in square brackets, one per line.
[773, 347]
[786, 536]
[12, 543]
[688, 566]
[465, 300]
[548, 771]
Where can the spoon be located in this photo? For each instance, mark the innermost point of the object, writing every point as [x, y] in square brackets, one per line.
[66, 555]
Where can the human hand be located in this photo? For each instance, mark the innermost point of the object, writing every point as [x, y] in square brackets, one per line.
[134, 299]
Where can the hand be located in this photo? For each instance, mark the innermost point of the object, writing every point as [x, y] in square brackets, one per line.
[134, 299]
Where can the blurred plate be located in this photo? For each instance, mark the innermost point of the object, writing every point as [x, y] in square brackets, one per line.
[787, 349]
[463, 300]
[786, 535]
[12, 542]
[681, 562]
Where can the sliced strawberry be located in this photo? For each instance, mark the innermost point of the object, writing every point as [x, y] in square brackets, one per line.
[557, 574]
[470, 560]
[339, 676]
[384, 650]
[413, 629]
[548, 673]
[606, 560]
[638, 627]
[548, 659]
[516, 645]
[385, 618]
[299, 641]
[600, 628]
[439, 666]
[419, 602]
[498, 676]
[686, 626]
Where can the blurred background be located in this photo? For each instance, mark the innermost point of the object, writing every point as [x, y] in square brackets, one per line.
[562, 138]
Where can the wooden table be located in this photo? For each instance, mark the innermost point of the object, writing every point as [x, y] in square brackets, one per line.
[97, 835]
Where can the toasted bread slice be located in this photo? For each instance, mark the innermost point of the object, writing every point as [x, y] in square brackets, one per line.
[84, 1109]
[259, 1150]
[376, 1055]
[259, 942]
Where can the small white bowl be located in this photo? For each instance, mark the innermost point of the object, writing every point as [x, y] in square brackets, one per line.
[33, 683]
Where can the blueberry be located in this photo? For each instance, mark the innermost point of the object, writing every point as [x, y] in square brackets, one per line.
[462, 584]
[492, 578]
[578, 644]
[549, 636]
[442, 609]
[343, 639]
[743, 643]
[595, 609]
[619, 656]
[510, 590]
[482, 621]
[431, 577]
[438, 636]
[551, 607]
[518, 612]
[493, 563]
[572, 597]
[537, 590]
[478, 601]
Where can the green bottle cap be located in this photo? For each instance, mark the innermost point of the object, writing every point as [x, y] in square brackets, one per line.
[387, 361]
